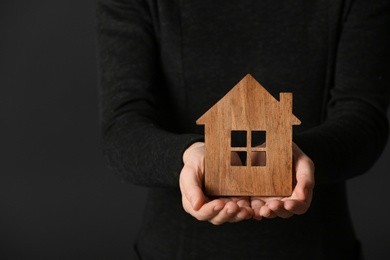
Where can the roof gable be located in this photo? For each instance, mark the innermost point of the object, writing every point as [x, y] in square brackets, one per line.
[249, 99]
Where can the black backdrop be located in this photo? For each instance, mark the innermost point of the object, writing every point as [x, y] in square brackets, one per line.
[57, 199]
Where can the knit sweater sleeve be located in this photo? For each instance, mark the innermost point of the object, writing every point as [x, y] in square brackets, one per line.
[135, 145]
[355, 130]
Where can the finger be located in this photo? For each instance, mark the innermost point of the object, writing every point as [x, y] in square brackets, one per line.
[191, 187]
[296, 207]
[245, 210]
[256, 204]
[277, 207]
[302, 195]
[266, 212]
[235, 159]
[303, 191]
[241, 201]
[305, 183]
[232, 213]
[256, 213]
[300, 200]
[304, 169]
[242, 214]
[227, 214]
[206, 212]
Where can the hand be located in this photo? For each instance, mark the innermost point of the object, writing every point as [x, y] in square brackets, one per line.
[299, 201]
[217, 210]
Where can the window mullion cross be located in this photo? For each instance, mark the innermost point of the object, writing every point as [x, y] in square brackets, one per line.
[249, 147]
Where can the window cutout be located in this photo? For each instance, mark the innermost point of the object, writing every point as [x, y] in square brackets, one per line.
[258, 138]
[259, 158]
[238, 139]
[238, 158]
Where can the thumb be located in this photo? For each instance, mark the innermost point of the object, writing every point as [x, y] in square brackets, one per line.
[191, 186]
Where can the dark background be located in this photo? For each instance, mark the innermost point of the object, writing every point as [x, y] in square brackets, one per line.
[57, 199]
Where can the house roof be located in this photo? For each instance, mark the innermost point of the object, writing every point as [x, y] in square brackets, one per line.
[248, 100]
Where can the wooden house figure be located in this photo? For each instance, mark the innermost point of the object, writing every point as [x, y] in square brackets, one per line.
[248, 142]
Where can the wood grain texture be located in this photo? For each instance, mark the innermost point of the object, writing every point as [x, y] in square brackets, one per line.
[267, 170]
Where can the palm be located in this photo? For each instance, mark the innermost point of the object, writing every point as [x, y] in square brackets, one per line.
[300, 199]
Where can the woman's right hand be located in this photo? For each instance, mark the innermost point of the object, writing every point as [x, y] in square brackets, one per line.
[196, 203]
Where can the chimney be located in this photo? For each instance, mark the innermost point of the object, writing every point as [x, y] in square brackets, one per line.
[286, 102]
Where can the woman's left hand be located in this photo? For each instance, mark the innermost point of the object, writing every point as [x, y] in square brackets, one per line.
[299, 201]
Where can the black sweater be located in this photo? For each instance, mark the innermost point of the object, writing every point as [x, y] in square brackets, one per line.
[164, 63]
